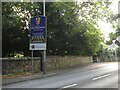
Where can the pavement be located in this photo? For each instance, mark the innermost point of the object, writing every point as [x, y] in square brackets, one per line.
[31, 77]
[97, 75]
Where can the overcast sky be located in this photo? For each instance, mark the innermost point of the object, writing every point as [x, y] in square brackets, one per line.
[106, 28]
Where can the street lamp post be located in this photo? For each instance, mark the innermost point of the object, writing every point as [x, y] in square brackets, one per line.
[44, 52]
[43, 7]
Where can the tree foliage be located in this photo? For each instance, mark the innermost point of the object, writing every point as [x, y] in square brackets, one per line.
[71, 27]
[16, 17]
[112, 37]
[118, 52]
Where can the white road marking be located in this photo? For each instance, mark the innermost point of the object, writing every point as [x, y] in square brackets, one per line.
[69, 86]
[102, 76]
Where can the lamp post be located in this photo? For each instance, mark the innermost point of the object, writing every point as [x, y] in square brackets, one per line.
[44, 52]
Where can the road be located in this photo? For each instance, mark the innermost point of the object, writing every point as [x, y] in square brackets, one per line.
[97, 75]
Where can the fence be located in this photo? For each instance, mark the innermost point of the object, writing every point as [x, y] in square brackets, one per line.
[24, 65]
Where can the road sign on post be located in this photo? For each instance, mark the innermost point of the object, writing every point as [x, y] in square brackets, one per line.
[38, 36]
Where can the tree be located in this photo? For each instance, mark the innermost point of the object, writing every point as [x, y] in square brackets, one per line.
[72, 27]
[16, 17]
[118, 52]
[112, 37]
[73, 35]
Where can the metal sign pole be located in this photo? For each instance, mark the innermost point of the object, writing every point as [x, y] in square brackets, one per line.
[44, 62]
[43, 7]
[44, 52]
[32, 60]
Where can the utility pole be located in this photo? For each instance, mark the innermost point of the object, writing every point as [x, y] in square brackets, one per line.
[43, 7]
[44, 51]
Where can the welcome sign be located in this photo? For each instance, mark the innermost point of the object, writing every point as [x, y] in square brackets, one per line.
[38, 33]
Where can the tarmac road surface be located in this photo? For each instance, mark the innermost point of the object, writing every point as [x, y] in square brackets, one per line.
[97, 75]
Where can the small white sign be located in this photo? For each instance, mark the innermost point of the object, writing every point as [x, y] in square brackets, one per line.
[37, 46]
[118, 39]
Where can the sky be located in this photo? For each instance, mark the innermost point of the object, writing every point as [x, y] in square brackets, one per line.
[106, 28]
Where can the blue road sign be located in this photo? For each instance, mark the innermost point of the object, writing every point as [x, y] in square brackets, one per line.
[38, 36]
[38, 28]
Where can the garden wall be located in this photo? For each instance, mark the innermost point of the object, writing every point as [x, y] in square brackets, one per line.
[24, 65]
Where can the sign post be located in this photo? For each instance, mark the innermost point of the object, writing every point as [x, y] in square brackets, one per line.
[44, 53]
[38, 37]
[38, 33]
[32, 61]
